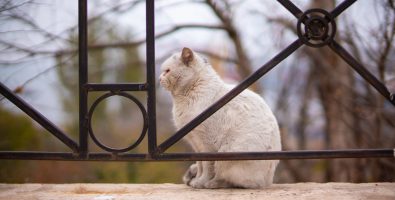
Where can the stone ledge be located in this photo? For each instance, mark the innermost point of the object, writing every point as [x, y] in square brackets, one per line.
[321, 191]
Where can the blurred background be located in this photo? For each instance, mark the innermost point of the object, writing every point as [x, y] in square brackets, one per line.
[320, 102]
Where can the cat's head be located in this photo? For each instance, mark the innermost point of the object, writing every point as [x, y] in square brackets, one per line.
[181, 70]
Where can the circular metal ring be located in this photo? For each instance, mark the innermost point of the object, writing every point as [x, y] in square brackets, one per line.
[143, 112]
[316, 28]
[309, 36]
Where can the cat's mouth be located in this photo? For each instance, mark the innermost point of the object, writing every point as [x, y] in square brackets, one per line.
[164, 83]
[169, 83]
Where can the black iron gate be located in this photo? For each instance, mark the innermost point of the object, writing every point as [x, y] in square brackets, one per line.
[315, 27]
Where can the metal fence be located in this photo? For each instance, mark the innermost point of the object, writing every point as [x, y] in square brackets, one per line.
[315, 28]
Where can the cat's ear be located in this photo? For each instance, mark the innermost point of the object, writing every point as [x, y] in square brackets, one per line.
[186, 56]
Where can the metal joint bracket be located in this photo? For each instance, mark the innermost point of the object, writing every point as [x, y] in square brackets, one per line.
[114, 155]
[86, 121]
[75, 154]
[115, 92]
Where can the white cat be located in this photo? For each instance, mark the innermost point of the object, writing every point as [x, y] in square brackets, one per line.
[245, 124]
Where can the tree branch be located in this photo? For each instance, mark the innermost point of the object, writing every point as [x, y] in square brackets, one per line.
[244, 67]
[111, 45]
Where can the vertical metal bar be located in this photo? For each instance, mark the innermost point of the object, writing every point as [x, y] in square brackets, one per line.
[230, 95]
[83, 74]
[381, 88]
[151, 101]
[38, 117]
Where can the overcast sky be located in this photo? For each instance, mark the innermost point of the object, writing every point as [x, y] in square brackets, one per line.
[58, 15]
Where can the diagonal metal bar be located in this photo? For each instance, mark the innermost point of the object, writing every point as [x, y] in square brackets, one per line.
[362, 70]
[230, 95]
[341, 7]
[291, 8]
[38, 117]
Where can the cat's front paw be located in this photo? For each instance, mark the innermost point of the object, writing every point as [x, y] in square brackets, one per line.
[190, 174]
[197, 183]
[215, 184]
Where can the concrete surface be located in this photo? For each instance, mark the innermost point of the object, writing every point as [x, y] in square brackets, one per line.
[376, 191]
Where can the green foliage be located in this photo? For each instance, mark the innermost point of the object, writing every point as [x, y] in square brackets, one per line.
[156, 172]
[17, 132]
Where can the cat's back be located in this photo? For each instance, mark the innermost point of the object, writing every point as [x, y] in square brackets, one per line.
[250, 102]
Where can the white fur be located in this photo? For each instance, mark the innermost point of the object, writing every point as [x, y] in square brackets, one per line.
[245, 124]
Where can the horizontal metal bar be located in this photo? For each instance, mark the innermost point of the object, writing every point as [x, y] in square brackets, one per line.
[116, 87]
[119, 157]
[291, 8]
[38, 117]
[380, 87]
[230, 95]
[272, 155]
[342, 7]
[281, 155]
[24, 155]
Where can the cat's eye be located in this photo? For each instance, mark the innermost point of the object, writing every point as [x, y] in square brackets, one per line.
[167, 71]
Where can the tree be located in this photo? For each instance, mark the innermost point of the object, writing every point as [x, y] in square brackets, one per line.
[321, 103]
[344, 98]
